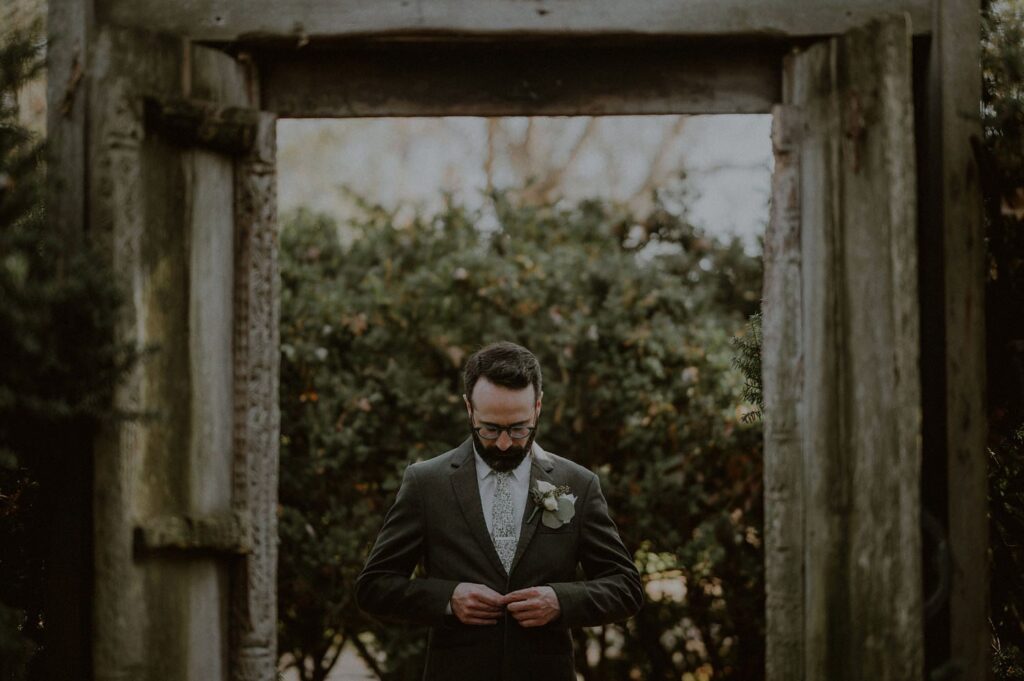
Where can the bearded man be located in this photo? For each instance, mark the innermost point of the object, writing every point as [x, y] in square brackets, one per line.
[499, 528]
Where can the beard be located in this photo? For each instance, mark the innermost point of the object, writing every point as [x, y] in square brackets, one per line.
[502, 461]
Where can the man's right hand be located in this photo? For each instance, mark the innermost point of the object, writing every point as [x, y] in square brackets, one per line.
[476, 604]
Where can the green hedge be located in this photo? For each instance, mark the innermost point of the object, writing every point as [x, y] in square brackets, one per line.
[58, 365]
[1001, 159]
[632, 322]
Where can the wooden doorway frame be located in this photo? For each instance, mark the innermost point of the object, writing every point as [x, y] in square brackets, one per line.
[606, 57]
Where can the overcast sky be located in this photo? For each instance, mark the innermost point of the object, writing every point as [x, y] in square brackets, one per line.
[412, 161]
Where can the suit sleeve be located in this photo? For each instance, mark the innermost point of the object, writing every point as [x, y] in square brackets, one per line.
[612, 591]
[385, 588]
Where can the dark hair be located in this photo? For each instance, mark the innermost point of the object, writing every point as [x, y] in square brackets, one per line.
[505, 364]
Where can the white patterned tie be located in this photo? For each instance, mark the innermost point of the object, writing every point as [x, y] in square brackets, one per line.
[502, 520]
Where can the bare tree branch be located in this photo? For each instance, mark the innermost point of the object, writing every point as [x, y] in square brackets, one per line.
[519, 152]
[367, 657]
[493, 128]
[542, 190]
[329, 660]
[656, 170]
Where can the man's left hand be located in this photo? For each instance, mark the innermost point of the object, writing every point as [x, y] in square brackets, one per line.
[533, 607]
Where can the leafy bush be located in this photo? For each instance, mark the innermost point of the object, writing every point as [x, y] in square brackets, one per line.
[20, 216]
[631, 321]
[58, 364]
[1002, 164]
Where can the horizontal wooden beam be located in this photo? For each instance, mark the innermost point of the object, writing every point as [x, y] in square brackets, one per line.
[216, 533]
[302, 20]
[535, 79]
[191, 122]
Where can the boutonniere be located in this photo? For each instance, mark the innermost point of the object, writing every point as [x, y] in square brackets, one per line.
[559, 506]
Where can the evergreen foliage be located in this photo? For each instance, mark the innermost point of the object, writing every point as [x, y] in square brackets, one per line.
[20, 215]
[57, 364]
[1002, 163]
[632, 323]
[748, 361]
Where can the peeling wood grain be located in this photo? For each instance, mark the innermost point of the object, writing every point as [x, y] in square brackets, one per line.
[70, 27]
[257, 415]
[825, 461]
[954, 84]
[168, 211]
[191, 123]
[528, 79]
[123, 171]
[861, 400]
[302, 21]
[218, 533]
[782, 369]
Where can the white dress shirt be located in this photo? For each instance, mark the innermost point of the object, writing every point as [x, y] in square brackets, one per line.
[487, 482]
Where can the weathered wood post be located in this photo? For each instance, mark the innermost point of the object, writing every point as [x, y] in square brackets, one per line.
[161, 157]
[782, 369]
[841, 319]
[958, 462]
[183, 502]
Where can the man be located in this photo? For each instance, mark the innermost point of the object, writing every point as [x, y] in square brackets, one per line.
[499, 527]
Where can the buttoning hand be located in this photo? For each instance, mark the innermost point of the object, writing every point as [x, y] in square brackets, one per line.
[476, 604]
[533, 607]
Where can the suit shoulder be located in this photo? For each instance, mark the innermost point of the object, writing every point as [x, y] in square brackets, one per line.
[429, 468]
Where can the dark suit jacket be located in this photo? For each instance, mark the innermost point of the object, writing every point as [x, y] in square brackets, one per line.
[437, 521]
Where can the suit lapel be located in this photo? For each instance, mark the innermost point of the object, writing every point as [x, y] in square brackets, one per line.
[467, 492]
[540, 469]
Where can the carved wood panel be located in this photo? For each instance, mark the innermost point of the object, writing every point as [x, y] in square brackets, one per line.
[183, 190]
[257, 417]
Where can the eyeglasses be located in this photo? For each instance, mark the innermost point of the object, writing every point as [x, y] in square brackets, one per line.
[492, 432]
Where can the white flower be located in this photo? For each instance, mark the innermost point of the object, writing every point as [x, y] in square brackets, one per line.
[565, 506]
[544, 487]
[321, 354]
[558, 504]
